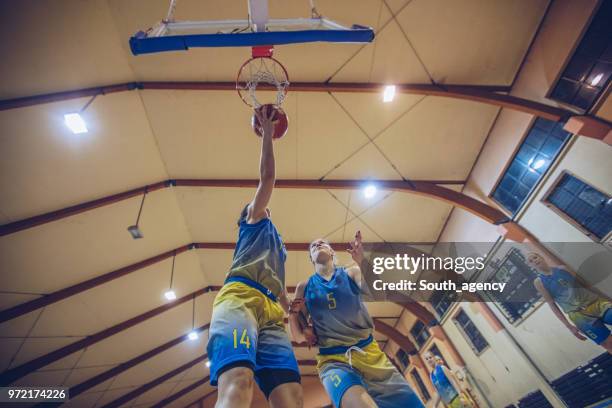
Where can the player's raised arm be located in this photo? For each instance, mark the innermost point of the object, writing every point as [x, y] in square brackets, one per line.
[267, 172]
[301, 331]
[356, 251]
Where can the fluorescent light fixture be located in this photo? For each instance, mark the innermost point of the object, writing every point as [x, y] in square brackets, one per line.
[135, 231]
[170, 295]
[193, 335]
[389, 93]
[75, 122]
[207, 363]
[597, 79]
[369, 191]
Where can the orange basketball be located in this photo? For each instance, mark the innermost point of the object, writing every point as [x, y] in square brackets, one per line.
[280, 128]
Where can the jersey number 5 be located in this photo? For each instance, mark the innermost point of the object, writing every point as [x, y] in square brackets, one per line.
[331, 301]
[244, 339]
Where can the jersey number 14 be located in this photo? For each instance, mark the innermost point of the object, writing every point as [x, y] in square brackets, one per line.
[244, 339]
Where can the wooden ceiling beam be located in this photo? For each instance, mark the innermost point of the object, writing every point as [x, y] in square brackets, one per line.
[466, 91]
[161, 379]
[13, 374]
[428, 188]
[54, 297]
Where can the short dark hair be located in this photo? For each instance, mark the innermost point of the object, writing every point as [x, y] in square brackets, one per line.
[243, 214]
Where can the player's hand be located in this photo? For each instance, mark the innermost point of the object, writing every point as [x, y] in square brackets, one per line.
[296, 305]
[577, 333]
[356, 248]
[310, 336]
[267, 121]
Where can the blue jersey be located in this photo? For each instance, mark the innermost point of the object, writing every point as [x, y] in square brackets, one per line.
[260, 255]
[445, 388]
[569, 294]
[339, 316]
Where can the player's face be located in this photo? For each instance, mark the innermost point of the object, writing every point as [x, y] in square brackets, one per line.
[321, 251]
[536, 261]
[429, 359]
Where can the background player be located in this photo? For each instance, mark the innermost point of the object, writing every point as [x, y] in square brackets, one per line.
[352, 367]
[247, 333]
[589, 312]
[448, 388]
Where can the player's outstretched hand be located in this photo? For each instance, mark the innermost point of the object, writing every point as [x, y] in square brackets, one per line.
[267, 120]
[356, 248]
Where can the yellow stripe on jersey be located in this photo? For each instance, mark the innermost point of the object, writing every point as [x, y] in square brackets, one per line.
[262, 307]
[373, 364]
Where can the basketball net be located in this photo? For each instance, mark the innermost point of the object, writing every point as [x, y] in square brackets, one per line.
[264, 72]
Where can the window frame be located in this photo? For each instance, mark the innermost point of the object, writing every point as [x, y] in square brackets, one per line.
[423, 391]
[465, 335]
[600, 100]
[543, 176]
[400, 361]
[423, 329]
[532, 306]
[566, 217]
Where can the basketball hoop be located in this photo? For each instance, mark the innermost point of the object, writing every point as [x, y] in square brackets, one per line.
[266, 73]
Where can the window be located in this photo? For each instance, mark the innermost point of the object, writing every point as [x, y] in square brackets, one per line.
[442, 300]
[536, 153]
[520, 293]
[585, 206]
[472, 334]
[402, 357]
[420, 333]
[419, 382]
[436, 352]
[587, 73]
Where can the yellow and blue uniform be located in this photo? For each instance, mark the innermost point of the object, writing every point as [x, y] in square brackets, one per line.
[448, 394]
[589, 312]
[348, 354]
[247, 326]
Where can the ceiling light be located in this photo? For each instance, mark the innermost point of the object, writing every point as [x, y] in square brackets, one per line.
[389, 93]
[75, 123]
[135, 231]
[207, 363]
[170, 295]
[597, 79]
[369, 191]
[193, 335]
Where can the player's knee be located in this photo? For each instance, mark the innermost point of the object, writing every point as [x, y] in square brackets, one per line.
[237, 382]
[242, 378]
[294, 390]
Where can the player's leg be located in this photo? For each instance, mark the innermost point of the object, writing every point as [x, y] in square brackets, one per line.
[382, 381]
[393, 392]
[235, 387]
[232, 346]
[286, 394]
[357, 397]
[594, 328]
[344, 386]
[276, 369]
